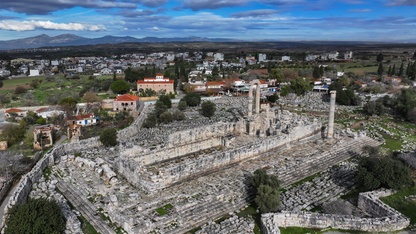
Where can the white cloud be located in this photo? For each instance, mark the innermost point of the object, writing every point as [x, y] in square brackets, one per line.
[156, 28]
[14, 25]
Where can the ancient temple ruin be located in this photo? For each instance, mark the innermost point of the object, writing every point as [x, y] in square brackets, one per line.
[202, 149]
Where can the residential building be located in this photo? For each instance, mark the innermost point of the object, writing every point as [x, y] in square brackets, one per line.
[126, 102]
[262, 58]
[83, 120]
[159, 84]
[15, 112]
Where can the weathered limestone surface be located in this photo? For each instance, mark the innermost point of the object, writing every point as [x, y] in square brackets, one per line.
[233, 224]
[385, 218]
[289, 151]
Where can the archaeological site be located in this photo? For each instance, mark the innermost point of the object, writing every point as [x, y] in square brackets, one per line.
[191, 176]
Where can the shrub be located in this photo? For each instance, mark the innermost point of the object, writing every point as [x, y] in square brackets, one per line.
[20, 89]
[35, 216]
[109, 137]
[182, 105]
[192, 99]
[208, 109]
[165, 117]
[178, 115]
[150, 121]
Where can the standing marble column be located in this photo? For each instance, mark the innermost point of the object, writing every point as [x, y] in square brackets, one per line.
[331, 114]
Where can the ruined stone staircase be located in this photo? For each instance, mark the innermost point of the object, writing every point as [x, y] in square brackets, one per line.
[216, 209]
[83, 205]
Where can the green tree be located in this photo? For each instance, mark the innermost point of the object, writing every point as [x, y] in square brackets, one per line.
[401, 70]
[380, 69]
[13, 133]
[383, 171]
[215, 72]
[393, 70]
[273, 98]
[68, 101]
[1, 84]
[277, 74]
[41, 121]
[159, 108]
[300, 86]
[267, 199]
[208, 109]
[120, 86]
[260, 177]
[108, 137]
[380, 57]
[389, 71]
[316, 72]
[35, 216]
[192, 99]
[405, 101]
[91, 97]
[165, 100]
[150, 121]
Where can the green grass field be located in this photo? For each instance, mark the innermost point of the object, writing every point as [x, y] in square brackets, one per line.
[406, 206]
[25, 81]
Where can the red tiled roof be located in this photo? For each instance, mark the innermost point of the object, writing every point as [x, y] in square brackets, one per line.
[154, 78]
[87, 116]
[127, 98]
[211, 83]
[13, 110]
[41, 109]
[155, 82]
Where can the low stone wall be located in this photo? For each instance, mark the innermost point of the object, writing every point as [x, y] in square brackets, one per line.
[25, 184]
[4, 189]
[391, 220]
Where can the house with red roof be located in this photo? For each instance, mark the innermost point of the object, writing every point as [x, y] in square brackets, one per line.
[160, 84]
[83, 120]
[126, 102]
[15, 112]
[215, 87]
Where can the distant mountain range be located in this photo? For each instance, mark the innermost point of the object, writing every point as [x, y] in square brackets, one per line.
[73, 40]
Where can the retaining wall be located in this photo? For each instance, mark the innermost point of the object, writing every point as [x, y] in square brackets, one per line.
[390, 221]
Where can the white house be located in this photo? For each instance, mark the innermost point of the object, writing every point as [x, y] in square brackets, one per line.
[262, 58]
[106, 71]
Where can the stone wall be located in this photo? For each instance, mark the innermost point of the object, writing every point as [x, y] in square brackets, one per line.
[25, 184]
[153, 172]
[391, 220]
[182, 142]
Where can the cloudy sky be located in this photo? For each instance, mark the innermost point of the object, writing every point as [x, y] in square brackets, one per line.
[354, 20]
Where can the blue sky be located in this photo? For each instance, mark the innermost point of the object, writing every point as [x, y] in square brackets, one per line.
[294, 20]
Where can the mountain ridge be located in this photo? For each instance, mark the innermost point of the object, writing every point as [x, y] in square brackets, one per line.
[44, 40]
